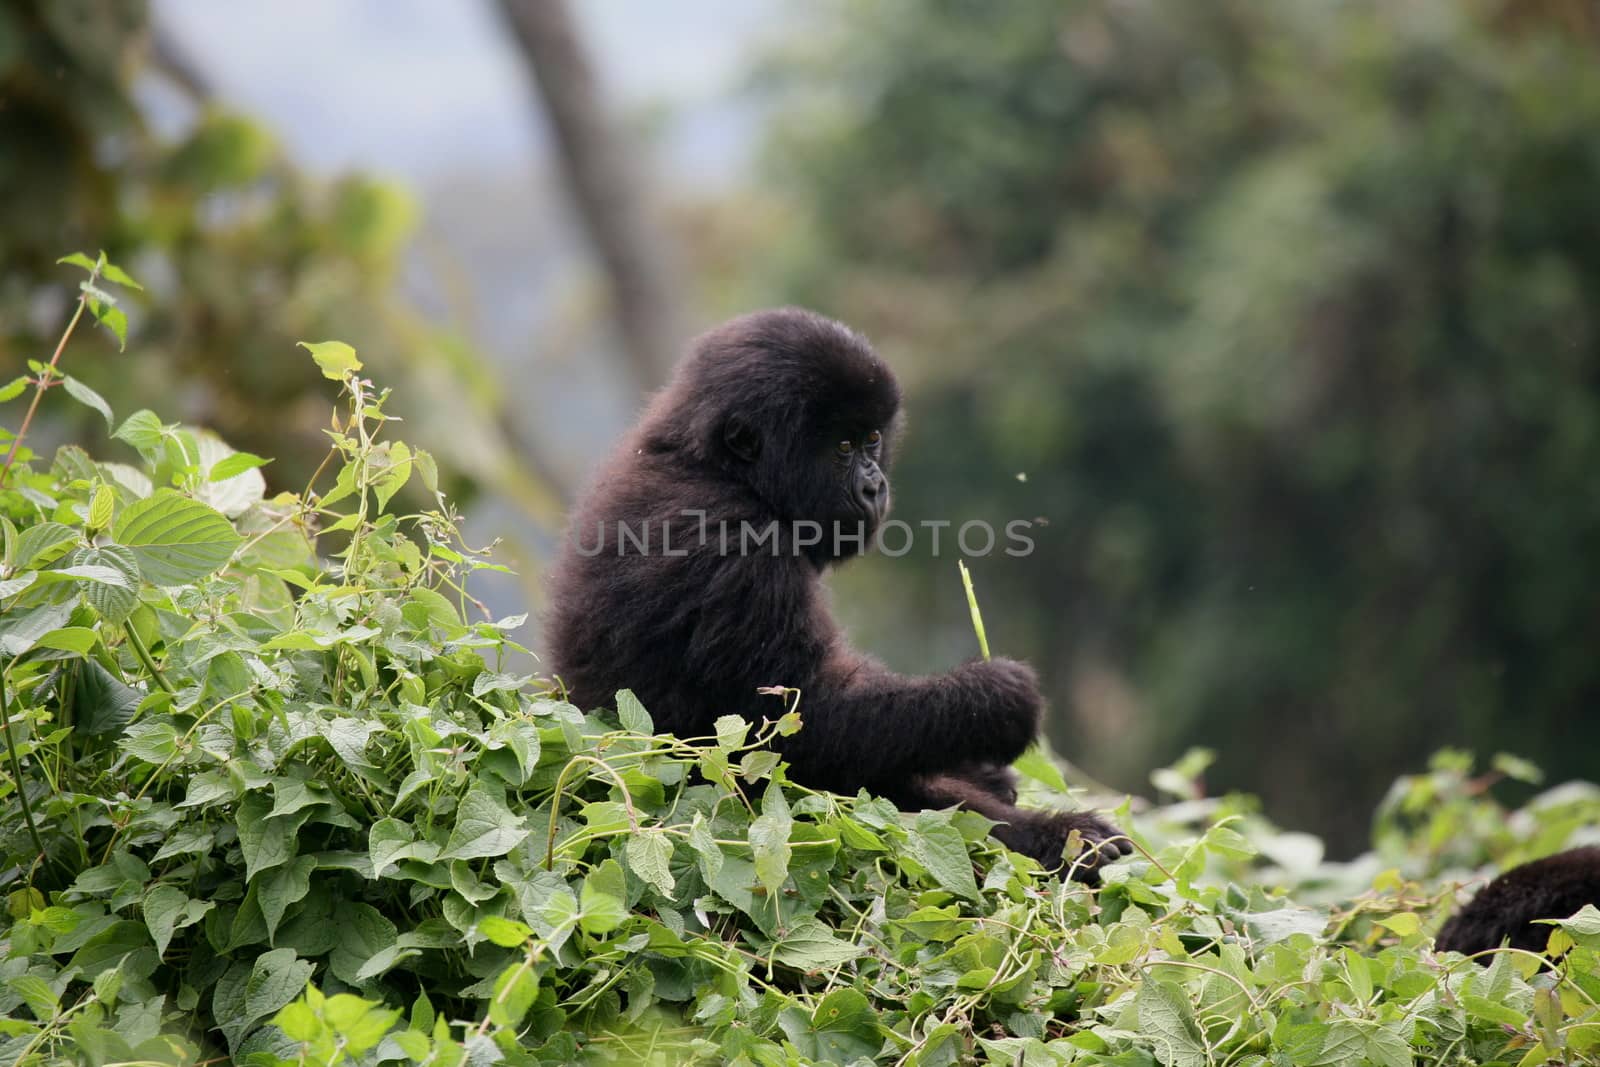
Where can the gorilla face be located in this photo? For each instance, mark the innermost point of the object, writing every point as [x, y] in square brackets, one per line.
[861, 485]
[800, 409]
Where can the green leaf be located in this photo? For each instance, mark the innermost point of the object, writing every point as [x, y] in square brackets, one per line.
[176, 540]
[484, 826]
[41, 545]
[113, 273]
[100, 703]
[142, 430]
[167, 909]
[234, 464]
[37, 994]
[276, 978]
[393, 463]
[111, 317]
[79, 639]
[114, 601]
[78, 259]
[940, 848]
[337, 359]
[102, 506]
[809, 945]
[14, 388]
[705, 846]
[769, 839]
[514, 993]
[507, 933]
[20, 628]
[265, 842]
[845, 1027]
[603, 902]
[649, 855]
[1033, 763]
[1166, 1018]
[731, 730]
[280, 887]
[84, 395]
[632, 715]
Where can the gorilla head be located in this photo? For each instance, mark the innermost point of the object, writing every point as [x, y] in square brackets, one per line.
[795, 406]
[781, 424]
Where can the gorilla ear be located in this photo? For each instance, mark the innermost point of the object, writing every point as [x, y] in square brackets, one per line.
[741, 439]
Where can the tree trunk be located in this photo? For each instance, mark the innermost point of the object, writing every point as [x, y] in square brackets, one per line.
[605, 184]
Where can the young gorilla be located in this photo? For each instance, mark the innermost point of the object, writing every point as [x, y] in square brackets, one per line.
[1552, 888]
[692, 574]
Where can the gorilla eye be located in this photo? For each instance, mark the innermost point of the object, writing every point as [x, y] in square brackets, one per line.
[845, 448]
[874, 437]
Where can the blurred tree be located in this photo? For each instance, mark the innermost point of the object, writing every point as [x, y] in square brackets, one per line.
[607, 188]
[243, 256]
[1286, 313]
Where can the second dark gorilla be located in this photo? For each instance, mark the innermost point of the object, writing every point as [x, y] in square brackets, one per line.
[691, 573]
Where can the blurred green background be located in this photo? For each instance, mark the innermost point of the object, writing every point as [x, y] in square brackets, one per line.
[1282, 316]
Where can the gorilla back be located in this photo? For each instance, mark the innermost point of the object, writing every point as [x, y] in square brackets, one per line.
[691, 573]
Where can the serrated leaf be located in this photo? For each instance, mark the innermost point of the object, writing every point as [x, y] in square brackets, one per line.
[41, 545]
[113, 318]
[20, 628]
[1166, 1018]
[143, 430]
[336, 358]
[102, 506]
[14, 388]
[115, 602]
[649, 855]
[174, 539]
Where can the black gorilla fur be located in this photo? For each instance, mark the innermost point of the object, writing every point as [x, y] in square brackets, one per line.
[1552, 888]
[783, 416]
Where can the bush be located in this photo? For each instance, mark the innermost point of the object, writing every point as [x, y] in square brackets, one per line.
[272, 798]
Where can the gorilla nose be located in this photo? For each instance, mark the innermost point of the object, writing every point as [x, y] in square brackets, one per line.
[871, 491]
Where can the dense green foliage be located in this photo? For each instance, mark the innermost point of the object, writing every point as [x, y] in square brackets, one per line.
[1287, 313]
[271, 797]
[243, 252]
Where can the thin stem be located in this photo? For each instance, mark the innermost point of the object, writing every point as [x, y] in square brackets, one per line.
[16, 770]
[145, 658]
[44, 381]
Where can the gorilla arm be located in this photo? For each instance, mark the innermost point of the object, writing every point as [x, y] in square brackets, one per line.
[760, 620]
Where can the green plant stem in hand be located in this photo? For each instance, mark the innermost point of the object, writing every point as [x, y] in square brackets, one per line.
[972, 605]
